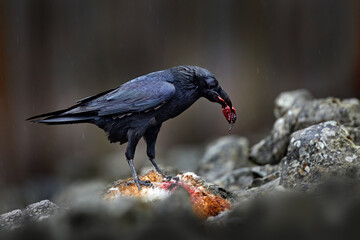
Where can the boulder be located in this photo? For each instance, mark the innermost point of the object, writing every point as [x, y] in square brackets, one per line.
[247, 177]
[33, 213]
[320, 153]
[222, 156]
[297, 110]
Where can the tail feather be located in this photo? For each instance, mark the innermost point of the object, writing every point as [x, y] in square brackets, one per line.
[50, 114]
[61, 117]
[75, 116]
[64, 120]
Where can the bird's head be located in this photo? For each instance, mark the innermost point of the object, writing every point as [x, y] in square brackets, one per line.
[209, 88]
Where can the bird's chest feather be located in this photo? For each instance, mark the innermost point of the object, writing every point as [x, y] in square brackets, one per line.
[175, 107]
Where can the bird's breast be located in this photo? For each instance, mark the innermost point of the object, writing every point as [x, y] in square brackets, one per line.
[173, 108]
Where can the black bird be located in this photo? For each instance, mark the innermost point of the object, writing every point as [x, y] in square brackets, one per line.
[137, 108]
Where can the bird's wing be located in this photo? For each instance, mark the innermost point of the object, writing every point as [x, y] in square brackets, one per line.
[141, 94]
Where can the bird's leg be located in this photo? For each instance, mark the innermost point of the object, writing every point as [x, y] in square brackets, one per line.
[158, 169]
[150, 138]
[130, 153]
[137, 180]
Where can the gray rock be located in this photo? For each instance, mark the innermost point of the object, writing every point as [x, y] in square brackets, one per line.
[288, 100]
[271, 187]
[79, 195]
[183, 157]
[35, 212]
[346, 112]
[271, 149]
[257, 182]
[297, 110]
[224, 155]
[318, 154]
[248, 177]
[236, 179]
[265, 170]
[41, 210]
[12, 220]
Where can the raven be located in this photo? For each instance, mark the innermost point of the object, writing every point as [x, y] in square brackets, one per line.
[137, 108]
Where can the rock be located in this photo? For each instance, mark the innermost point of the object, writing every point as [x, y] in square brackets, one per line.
[41, 210]
[79, 195]
[318, 154]
[283, 215]
[288, 100]
[243, 178]
[236, 179]
[346, 112]
[224, 155]
[183, 157]
[297, 110]
[12, 220]
[266, 189]
[35, 212]
[265, 170]
[271, 149]
[243, 199]
[257, 182]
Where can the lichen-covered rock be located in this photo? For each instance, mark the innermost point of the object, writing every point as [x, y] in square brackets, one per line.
[297, 110]
[346, 112]
[236, 179]
[266, 189]
[272, 148]
[247, 177]
[318, 154]
[35, 212]
[12, 220]
[224, 155]
[288, 100]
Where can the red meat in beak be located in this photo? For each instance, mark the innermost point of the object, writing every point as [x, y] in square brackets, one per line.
[229, 113]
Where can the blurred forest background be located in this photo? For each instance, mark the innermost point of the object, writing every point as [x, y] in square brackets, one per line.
[53, 53]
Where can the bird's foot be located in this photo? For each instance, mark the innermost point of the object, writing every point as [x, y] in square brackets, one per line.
[140, 183]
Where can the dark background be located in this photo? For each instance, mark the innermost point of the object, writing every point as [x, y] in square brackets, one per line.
[53, 53]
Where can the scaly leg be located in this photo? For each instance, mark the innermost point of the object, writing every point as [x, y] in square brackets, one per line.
[133, 139]
[137, 180]
[150, 137]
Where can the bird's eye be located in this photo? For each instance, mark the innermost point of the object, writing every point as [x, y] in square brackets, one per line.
[211, 83]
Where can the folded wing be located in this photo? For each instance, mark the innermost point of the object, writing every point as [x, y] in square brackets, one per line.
[141, 94]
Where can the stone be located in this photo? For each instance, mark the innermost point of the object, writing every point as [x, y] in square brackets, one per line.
[224, 155]
[296, 110]
[271, 187]
[81, 194]
[247, 177]
[271, 149]
[33, 213]
[41, 210]
[317, 154]
[236, 179]
[288, 100]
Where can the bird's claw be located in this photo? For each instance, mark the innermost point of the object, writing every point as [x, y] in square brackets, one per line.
[139, 183]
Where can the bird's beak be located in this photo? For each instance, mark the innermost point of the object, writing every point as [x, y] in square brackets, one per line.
[223, 99]
[229, 113]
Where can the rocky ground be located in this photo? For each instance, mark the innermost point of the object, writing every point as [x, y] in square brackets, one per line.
[302, 180]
